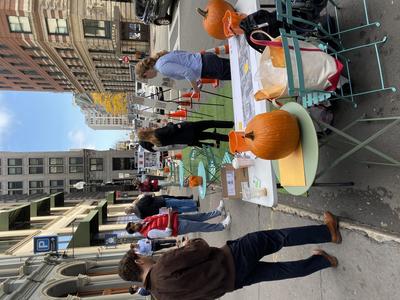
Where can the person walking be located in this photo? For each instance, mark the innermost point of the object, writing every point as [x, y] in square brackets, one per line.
[231, 267]
[149, 205]
[187, 133]
[180, 65]
[173, 224]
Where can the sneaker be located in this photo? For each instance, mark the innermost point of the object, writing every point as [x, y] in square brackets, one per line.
[221, 207]
[227, 222]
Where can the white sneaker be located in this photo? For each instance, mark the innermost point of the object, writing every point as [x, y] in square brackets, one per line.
[221, 207]
[227, 222]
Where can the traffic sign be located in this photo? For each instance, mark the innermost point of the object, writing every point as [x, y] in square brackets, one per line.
[45, 244]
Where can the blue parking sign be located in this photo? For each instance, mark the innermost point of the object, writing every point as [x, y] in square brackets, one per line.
[43, 244]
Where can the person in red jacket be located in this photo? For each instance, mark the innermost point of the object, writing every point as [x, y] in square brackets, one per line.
[173, 224]
[152, 185]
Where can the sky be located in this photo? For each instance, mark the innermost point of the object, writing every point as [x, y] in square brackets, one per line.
[41, 121]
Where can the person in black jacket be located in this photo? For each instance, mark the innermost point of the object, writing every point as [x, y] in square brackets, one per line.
[150, 205]
[189, 133]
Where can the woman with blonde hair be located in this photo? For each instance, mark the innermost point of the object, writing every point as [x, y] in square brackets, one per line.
[185, 133]
[184, 65]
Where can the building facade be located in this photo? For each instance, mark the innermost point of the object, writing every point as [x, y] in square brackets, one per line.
[51, 172]
[69, 45]
[83, 266]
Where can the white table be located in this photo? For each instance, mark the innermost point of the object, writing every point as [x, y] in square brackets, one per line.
[245, 107]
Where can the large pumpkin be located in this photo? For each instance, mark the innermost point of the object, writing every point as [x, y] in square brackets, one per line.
[213, 14]
[272, 135]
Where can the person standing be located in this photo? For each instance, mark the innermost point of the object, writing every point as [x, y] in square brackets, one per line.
[181, 65]
[150, 205]
[173, 224]
[147, 247]
[185, 133]
[231, 267]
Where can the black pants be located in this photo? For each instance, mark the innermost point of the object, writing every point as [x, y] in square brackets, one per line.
[162, 244]
[249, 249]
[200, 126]
[215, 67]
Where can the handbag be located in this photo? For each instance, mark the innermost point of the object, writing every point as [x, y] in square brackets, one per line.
[320, 70]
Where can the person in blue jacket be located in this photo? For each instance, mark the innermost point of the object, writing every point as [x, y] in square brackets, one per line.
[180, 65]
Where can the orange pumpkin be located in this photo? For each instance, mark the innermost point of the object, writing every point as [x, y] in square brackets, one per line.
[195, 181]
[166, 170]
[272, 135]
[213, 14]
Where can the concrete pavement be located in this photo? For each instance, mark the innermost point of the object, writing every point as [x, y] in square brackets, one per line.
[368, 260]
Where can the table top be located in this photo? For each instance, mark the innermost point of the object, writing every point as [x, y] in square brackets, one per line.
[309, 143]
[201, 171]
[181, 173]
[244, 64]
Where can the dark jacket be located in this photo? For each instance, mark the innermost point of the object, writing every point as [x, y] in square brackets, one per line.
[148, 206]
[180, 133]
[194, 272]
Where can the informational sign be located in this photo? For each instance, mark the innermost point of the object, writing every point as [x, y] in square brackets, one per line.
[230, 181]
[111, 239]
[42, 244]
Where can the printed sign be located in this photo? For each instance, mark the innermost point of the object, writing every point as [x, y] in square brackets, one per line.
[43, 244]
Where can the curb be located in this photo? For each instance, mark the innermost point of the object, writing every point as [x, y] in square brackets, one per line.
[373, 234]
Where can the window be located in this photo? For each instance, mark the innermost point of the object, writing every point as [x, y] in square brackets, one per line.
[15, 161]
[35, 161]
[35, 184]
[57, 26]
[8, 55]
[4, 71]
[3, 46]
[18, 64]
[29, 72]
[15, 185]
[55, 73]
[43, 83]
[35, 170]
[15, 192]
[56, 183]
[19, 24]
[76, 164]
[36, 191]
[123, 163]
[56, 165]
[96, 164]
[14, 170]
[30, 48]
[35, 165]
[37, 78]
[56, 169]
[97, 29]
[27, 87]
[56, 161]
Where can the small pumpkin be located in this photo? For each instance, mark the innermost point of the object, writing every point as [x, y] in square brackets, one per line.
[166, 170]
[273, 135]
[213, 14]
[195, 181]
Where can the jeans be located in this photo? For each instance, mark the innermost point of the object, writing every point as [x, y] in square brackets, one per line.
[195, 222]
[181, 206]
[215, 67]
[249, 249]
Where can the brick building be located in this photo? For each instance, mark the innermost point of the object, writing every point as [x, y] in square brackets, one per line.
[69, 45]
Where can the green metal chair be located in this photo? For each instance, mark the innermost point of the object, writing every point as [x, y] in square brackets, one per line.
[290, 41]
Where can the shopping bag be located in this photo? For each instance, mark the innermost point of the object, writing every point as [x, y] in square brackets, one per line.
[321, 71]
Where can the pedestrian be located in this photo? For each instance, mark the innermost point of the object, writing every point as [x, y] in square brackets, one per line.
[151, 185]
[173, 224]
[187, 133]
[147, 247]
[181, 65]
[198, 271]
[134, 289]
[149, 205]
[152, 148]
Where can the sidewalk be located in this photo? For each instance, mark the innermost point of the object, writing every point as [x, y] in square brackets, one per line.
[367, 269]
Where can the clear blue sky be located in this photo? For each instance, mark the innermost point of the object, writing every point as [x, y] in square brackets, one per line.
[38, 121]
